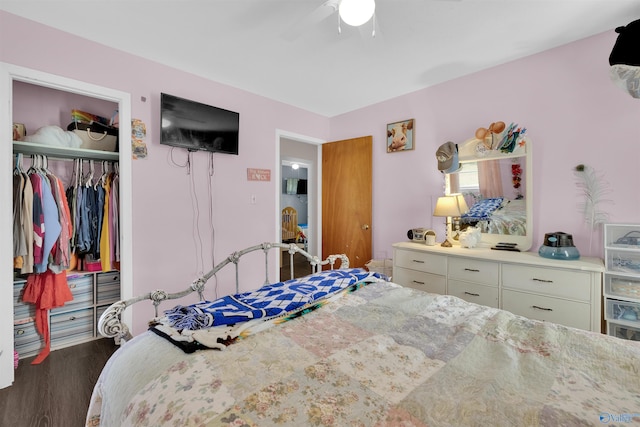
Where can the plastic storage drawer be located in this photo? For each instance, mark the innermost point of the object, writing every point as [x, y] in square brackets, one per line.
[71, 327]
[623, 331]
[622, 286]
[81, 288]
[623, 261]
[625, 312]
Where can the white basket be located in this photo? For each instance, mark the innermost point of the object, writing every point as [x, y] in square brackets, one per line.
[383, 266]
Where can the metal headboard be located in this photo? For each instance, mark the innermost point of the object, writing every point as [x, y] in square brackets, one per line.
[110, 324]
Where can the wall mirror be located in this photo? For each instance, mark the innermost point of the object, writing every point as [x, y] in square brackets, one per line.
[497, 187]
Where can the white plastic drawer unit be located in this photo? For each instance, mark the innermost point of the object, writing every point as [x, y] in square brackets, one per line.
[623, 261]
[574, 285]
[625, 312]
[616, 285]
[623, 331]
[81, 288]
[108, 288]
[474, 270]
[421, 261]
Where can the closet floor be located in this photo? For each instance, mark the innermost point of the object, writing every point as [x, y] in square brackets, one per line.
[56, 392]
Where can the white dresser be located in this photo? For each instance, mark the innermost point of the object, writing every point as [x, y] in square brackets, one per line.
[564, 292]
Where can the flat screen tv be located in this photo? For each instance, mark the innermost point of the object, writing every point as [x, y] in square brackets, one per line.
[198, 127]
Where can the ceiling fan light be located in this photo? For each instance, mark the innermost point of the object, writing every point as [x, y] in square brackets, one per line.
[356, 12]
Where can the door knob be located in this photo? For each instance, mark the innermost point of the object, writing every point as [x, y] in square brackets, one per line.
[365, 227]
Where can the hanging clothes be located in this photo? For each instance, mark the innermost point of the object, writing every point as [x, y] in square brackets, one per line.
[105, 237]
[52, 227]
[22, 219]
[48, 234]
[114, 212]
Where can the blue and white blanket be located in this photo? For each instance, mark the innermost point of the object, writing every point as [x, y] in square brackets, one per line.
[482, 209]
[267, 302]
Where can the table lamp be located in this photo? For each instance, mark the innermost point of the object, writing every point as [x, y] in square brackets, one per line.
[450, 206]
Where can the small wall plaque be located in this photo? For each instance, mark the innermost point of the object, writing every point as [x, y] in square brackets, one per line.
[254, 174]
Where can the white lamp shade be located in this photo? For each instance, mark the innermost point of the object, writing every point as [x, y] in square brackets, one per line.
[356, 12]
[452, 205]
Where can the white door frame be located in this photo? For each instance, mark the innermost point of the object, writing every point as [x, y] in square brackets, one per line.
[8, 74]
[315, 180]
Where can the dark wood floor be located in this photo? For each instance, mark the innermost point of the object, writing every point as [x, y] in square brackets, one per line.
[301, 267]
[56, 392]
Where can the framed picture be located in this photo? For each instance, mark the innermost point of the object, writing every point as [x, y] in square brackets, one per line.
[401, 136]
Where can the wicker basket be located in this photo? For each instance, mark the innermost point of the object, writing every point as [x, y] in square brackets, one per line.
[383, 266]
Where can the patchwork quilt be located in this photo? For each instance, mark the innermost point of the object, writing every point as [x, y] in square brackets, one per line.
[382, 355]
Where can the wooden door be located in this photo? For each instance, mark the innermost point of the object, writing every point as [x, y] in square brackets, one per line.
[346, 199]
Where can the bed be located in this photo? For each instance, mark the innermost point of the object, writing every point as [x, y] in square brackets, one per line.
[498, 216]
[373, 354]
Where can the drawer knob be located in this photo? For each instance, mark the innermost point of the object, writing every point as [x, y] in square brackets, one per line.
[418, 261]
[72, 318]
[419, 283]
[542, 280]
[541, 308]
[475, 270]
[471, 293]
[19, 332]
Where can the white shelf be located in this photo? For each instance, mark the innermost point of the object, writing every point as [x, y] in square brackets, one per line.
[31, 148]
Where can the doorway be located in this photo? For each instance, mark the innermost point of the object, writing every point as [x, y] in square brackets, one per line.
[305, 152]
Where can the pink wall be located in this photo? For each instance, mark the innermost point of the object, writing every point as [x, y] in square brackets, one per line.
[166, 253]
[563, 96]
[572, 111]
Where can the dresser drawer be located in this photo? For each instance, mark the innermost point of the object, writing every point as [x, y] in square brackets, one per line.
[70, 327]
[474, 270]
[472, 292]
[425, 282]
[81, 288]
[548, 281]
[421, 261]
[568, 313]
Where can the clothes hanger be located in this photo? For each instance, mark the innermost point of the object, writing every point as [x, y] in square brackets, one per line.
[19, 168]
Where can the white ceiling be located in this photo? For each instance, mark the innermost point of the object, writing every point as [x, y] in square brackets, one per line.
[291, 51]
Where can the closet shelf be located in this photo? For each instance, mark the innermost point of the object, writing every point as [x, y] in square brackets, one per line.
[63, 152]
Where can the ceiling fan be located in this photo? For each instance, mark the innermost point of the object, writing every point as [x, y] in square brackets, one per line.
[352, 12]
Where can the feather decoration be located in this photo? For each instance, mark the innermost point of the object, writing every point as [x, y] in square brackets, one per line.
[594, 189]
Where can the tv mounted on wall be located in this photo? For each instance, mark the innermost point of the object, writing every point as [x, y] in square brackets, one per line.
[198, 127]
